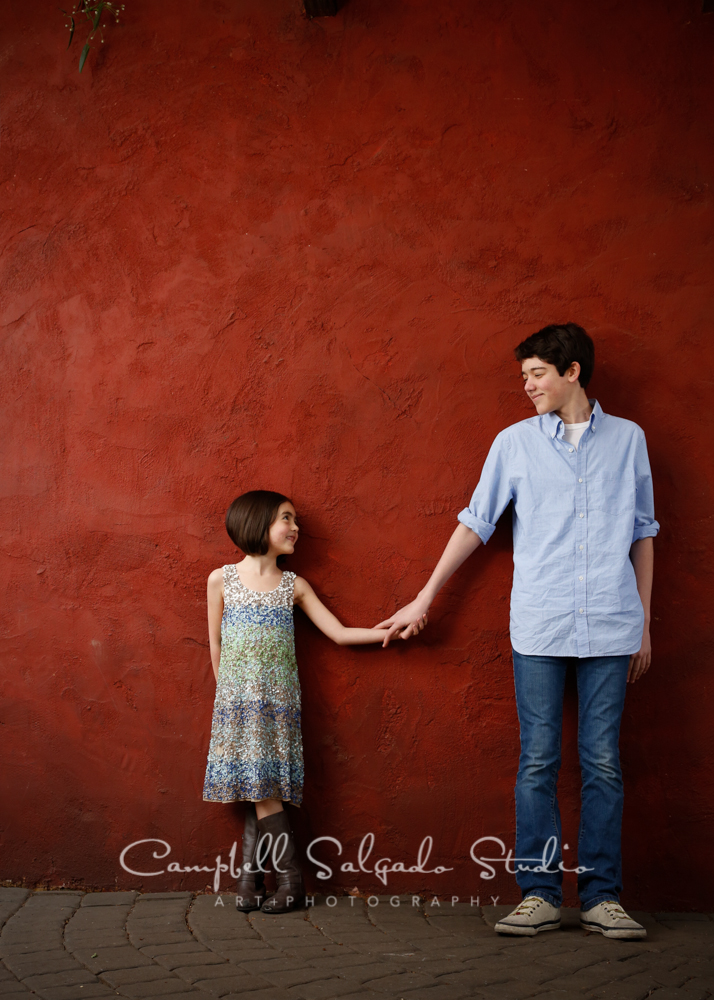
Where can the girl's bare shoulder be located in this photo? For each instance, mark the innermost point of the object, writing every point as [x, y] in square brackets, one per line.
[215, 580]
[301, 588]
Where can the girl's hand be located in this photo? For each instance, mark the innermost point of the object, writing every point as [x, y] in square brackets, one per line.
[409, 621]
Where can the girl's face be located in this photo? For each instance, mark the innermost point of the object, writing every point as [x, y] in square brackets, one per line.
[283, 532]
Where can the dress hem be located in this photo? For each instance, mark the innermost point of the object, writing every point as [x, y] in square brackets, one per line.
[227, 802]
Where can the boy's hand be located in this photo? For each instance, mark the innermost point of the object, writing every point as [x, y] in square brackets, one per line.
[408, 621]
[640, 662]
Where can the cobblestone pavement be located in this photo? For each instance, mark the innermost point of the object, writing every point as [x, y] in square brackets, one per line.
[63, 945]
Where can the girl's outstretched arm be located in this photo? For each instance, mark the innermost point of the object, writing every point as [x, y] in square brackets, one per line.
[306, 598]
[215, 613]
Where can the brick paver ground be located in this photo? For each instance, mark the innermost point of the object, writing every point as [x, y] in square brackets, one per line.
[63, 945]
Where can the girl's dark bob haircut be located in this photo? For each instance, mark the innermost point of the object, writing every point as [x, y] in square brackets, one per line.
[249, 517]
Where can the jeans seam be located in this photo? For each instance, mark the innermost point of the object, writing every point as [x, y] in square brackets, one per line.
[553, 799]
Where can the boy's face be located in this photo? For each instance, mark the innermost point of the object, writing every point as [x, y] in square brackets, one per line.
[547, 389]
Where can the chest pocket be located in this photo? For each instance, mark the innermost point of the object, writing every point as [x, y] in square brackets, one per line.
[611, 493]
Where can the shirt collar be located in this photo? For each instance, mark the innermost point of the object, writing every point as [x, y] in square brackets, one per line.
[553, 425]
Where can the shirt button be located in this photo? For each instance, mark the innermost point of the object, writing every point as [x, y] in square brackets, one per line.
[580, 547]
[570, 450]
[582, 515]
[582, 611]
[580, 578]
[580, 480]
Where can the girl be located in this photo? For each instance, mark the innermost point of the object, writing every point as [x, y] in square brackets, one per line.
[255, 754]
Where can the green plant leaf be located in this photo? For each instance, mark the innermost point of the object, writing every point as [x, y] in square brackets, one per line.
[97, 16]
[71, 31]
[83, 57]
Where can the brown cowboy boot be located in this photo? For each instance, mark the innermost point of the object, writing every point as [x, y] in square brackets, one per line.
[250, 890]
[290, 889]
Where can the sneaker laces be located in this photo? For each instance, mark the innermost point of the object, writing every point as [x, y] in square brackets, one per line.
[529, 904]
[614, 909]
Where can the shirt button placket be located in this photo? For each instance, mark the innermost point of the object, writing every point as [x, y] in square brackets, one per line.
[581, 624]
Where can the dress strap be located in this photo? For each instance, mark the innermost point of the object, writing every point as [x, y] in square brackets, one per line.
[288, 581]
[231, 590]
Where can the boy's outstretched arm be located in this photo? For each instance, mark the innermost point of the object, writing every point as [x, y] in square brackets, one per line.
[462, 543]
[306, 598]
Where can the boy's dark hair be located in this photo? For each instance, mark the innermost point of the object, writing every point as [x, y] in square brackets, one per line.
[560, 345]
[249, 517]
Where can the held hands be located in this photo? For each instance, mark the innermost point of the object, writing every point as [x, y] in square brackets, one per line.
[408, 621]
[640, 662]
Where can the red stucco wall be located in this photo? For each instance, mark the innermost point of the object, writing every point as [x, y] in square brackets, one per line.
[247, 250]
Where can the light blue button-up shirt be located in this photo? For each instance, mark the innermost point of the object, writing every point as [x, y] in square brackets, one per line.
[576, 512]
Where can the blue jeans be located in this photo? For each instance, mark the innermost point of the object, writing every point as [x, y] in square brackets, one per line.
[540, 682]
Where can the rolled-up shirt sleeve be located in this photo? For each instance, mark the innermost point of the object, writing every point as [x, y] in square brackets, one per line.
[493, 493]
[645, 524]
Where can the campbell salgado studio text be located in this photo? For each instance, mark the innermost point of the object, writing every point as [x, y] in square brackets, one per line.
[271, 853]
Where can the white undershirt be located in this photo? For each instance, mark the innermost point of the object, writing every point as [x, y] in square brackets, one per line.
[573, 432]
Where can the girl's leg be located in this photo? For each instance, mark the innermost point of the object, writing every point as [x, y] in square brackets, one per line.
[250, 890]
[266, 807]
[276, 841]
[264, 854]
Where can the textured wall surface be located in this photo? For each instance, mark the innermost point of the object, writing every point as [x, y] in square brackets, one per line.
[246, 250]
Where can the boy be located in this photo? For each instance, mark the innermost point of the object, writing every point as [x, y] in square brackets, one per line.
[583, 524]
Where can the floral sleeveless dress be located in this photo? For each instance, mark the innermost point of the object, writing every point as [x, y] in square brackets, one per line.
[256, 744]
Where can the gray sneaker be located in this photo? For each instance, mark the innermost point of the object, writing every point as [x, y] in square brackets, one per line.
[610, 920]
[531, 916]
